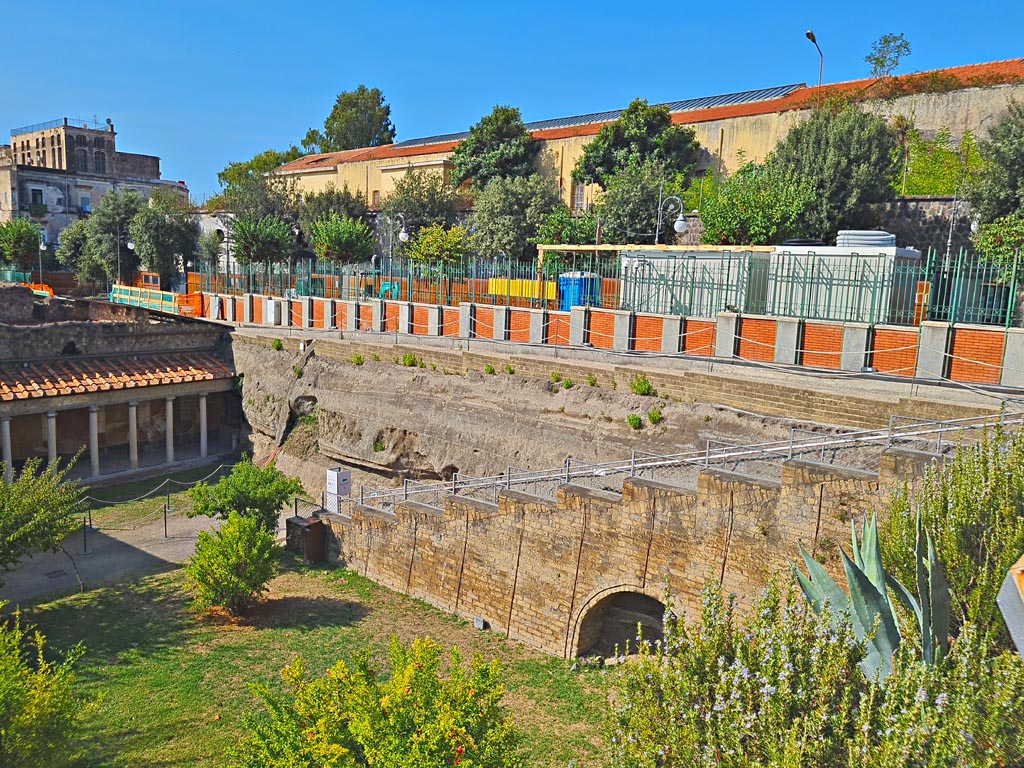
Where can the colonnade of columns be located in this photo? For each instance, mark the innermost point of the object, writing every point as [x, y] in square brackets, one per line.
[94, 436]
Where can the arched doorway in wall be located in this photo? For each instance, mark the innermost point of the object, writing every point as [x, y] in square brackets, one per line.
[612, 621]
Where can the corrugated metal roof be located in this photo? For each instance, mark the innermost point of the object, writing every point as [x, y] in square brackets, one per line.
[687, 105]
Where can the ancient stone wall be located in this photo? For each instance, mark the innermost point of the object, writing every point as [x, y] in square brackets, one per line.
[99, 336]
[540, 570]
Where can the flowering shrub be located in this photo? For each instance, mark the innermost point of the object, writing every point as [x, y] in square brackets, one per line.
[785, 690]
[39, 713]
[974, 511]
[356, 716]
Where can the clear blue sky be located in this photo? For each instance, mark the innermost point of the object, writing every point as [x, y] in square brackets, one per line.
[202, 84]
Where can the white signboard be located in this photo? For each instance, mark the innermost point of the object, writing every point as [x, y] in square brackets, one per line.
[339, 484]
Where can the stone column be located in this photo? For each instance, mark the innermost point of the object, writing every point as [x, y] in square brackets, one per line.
[133, 434]
[5, 440]
[202, 426]
[51, 436]
[94, 439]
[169, 430]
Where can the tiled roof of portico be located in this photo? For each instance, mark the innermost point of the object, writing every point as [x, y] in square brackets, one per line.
[74, 376]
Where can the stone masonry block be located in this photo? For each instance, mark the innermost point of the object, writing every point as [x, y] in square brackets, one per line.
[856, 337]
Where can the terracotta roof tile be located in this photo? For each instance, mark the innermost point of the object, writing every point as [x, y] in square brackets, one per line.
[21, 381]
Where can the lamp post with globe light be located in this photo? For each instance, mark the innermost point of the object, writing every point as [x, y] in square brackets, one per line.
[668, 206]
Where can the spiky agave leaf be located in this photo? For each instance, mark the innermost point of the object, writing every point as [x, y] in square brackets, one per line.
[873, 621]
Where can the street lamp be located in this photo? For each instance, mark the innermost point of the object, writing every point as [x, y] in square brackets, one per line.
[670, 205]
[396, 221]
[42, 250]
[821, 61]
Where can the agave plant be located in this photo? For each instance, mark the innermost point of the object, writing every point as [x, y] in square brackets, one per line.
[871, 612]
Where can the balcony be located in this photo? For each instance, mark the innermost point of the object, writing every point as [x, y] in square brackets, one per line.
[38, 209]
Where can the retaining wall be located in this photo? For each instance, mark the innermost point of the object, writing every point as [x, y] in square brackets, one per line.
[963, 353]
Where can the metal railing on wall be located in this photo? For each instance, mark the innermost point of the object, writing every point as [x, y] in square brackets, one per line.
[873, 289]
[921, 434]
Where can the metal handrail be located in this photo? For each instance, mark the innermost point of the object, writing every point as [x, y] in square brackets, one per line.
[641, 461]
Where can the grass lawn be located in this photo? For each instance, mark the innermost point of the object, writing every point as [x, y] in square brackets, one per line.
[168, 688]
[137, 502]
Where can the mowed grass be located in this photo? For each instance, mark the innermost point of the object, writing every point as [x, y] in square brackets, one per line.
[165, 687]
[134, 503]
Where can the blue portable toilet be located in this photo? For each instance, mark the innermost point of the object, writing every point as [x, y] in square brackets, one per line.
[578, 289]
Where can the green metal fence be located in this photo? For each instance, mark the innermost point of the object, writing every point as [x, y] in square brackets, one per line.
[876, 289]
[13, 276]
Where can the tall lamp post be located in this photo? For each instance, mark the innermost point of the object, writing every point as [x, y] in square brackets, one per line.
[42, 250]
[670, 205]
[396, 222]
[821, 61]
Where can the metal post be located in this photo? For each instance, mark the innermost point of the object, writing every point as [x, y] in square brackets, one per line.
[165, 521]
[707, 453]
[508, 478]
[791, 442]
[632, 463]
[85, 538]
[405, 488]
[568, 460]
[360, 493]
[455, 480]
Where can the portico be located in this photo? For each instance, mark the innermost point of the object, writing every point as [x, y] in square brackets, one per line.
[119, 413]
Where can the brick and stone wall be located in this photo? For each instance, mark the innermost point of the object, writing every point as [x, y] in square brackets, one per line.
[535, 569]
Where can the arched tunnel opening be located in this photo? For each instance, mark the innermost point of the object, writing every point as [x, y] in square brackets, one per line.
[612, 623]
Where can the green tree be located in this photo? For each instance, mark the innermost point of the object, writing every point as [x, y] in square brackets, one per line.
[498, 146]
[359, 118]
[886, 53]
[232, 565]
[240, 173]
[641, 133]
[210, 248]
[342, 239]
[1001, 241]
[565, 227]
[973, 508]
[436, 244]
[251, 491]
[39, 712]
[108, 233]
[848, 157]
[19, 242]
[166, 234]
[265, 240]
[258, 195]
[355, 716]
[74, 254]
[508, 213]
[629, 207]
[999, 190]
[316, 205]
[423, 198]
[37, 511]
[755, 206]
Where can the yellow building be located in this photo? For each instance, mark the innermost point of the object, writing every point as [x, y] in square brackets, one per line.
[731, 128]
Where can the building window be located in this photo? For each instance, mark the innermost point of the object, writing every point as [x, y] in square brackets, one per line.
[80, 141]
[375, 198]
[100, 162]
[578, 197]
[37, 197]
[84, 204]
[81, 160]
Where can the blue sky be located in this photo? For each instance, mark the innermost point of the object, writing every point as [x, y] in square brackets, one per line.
[204, 83]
